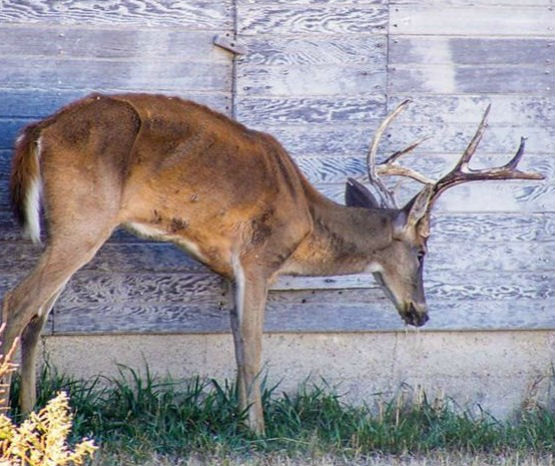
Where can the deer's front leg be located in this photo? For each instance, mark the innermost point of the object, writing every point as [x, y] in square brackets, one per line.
[247, 320]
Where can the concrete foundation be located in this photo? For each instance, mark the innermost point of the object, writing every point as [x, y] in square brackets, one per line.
[497, 371]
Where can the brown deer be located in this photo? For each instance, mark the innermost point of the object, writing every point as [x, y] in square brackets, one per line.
[232, 197]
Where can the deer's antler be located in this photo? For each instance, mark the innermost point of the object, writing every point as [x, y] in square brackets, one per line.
[461, 173]
[390, 167]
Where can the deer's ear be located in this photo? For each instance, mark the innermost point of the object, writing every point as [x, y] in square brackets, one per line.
[417, 208]
[414, 213]
[357, 195]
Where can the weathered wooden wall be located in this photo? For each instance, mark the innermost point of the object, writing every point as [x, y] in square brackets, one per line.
[319, 76]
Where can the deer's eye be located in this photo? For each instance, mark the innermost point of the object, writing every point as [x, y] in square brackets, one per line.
[420, 256]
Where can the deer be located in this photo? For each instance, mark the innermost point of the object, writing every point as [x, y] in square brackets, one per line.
[170, 169]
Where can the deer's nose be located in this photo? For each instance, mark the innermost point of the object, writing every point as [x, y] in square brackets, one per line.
[415, 317]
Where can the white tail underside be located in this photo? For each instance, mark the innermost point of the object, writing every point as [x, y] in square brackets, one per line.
[32, 205]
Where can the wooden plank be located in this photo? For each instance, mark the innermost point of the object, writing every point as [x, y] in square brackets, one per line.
[474, 3]
[498, 227]
[507, 20]
[447, 285]
[112, 258]
[451, 79]
[86, 75]
[329, 169]
[190, 14]
[281, 19]
[354, 139]
[515, 110]
[127, 44]
[141, 318]
[294, 50]
[502, 196]
[323, 3]
[87, 288]
[509, 109]
[309, 110]
[328, 317]
[30, 103]
[292, 81]
[471, 51]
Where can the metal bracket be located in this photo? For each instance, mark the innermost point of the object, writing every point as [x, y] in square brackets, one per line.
[228, 43]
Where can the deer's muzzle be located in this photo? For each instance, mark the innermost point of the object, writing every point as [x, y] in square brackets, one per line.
[412, 316]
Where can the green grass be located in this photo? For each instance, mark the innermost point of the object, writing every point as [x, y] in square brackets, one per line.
[139, 415]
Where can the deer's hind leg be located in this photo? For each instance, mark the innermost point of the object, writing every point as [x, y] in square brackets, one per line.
[25, 308]
[78, 227]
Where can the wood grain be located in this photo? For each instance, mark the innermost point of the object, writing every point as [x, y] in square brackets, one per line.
[293, 50]
[190, 14]
[471, 51]
[284, 19]
[310, 80]
[30, 103]
[519, 111]
[503, 196]
[475, 253]
[21, 40]
[354, 139]
[451, 79]
[309, 110]
[504, 20]
[473, 3]
[54, 74]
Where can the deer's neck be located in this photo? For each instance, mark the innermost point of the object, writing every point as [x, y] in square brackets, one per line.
[344, 240]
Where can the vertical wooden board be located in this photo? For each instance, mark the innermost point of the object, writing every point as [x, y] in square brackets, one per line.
[284, 19]
[454, 79]
[471, 50]
[468, 21]
[189, 14]
[131, 44]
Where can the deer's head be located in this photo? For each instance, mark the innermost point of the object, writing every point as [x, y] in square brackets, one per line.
[398, 267]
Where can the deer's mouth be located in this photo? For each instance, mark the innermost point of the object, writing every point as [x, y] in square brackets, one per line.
[411, 316]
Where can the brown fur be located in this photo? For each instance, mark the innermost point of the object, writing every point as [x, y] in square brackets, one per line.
[178, 171]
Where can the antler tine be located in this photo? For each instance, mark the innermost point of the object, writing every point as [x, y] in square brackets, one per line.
[461, 173]
[389, 166]
[474, 142]
[387, 199]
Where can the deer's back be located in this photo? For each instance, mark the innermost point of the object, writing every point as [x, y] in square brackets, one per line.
[184, 172]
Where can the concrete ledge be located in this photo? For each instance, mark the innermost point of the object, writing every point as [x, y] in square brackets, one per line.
[497, 370]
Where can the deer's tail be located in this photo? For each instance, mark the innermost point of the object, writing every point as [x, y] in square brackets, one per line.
[26, 182]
